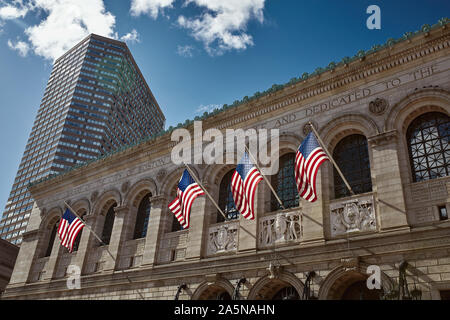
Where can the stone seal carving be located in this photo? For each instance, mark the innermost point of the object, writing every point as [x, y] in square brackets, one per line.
[161, 175]
[378, 106]
[222, 239]
[356, 215]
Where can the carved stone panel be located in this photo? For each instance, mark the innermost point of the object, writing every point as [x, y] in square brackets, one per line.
[354, 215]
[222, 238]
[280, 228]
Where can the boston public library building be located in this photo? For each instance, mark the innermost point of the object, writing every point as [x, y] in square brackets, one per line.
[383, 115]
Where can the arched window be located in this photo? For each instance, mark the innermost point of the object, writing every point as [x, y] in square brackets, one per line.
[284, 184]
[142, 217]
[51, 241]
[226, 201]
[108, 226]
[428, 143]
[352, 156]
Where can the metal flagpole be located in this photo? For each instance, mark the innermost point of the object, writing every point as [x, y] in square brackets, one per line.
[331, 158]
[265, 178]
[204, 190]
[101, 241]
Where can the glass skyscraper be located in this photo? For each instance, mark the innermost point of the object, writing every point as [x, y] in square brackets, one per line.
[95, 101]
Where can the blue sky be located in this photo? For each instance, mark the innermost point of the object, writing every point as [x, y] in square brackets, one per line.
[194, 54]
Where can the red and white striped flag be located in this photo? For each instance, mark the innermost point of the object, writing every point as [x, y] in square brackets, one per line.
[68, 229]
[243, 187]
[187, 191]
[310, 156]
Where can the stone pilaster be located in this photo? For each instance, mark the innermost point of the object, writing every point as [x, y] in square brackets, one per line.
[248, 229]
[388, 183]
[117, 237]
[158, 219]
[25, 258]
[198, 226]
[86, 238]
[312, 213]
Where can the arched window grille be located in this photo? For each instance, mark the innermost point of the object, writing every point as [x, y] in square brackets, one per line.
[284, 184]
[51, 241]
[352, 156]
[142, 217]
[286, 293]
[108, 226]
[226, 201]
[428, 143]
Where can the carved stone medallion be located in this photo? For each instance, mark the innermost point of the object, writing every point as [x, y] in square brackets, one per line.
[161, 175]
[356, 215]
[125, 186]
[94, 196]
[378, 106]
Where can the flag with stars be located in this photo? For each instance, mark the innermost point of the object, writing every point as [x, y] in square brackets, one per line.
[187, 191]
[68, 229]
[243, 186]
[310, 156]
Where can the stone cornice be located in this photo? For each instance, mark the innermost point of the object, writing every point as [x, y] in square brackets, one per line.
[339, 79]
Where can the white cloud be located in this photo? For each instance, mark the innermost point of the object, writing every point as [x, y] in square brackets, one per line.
[222, 25]
[9, 12]
[150, 7]
[185, 51]
[65, 23]
[132, 36]
[20, 46]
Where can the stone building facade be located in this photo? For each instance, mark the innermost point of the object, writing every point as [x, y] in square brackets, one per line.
[381, 103]
[8, 256]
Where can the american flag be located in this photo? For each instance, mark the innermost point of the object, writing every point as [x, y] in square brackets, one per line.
[187, 191]
[68, 229]
[307, 162]
[243, 187]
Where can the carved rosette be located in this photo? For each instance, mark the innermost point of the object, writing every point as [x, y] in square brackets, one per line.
[280, 228]
[222, 238]
[355, 215]
[378, 106]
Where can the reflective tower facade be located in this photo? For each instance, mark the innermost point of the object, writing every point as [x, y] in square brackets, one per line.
[96, 100]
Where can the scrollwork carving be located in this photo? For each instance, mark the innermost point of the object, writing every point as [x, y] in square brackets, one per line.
[222, 238]
[355, 215]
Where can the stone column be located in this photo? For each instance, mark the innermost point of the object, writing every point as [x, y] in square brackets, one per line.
[117, 237]
[312, 213]
[50, 268]
[387, 185]
[155, 228]
[29, 249]
[86, 241]
[198, 226]
[25, 258]
[248, 229]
